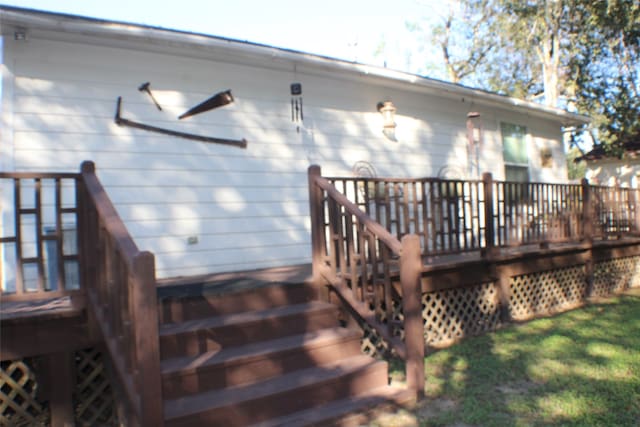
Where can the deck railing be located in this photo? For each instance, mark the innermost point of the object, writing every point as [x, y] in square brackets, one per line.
[38, 236]
[354, 255]
[61, 236]
[445, 214]
[452, 216]
[369, 232]
[614, 211]
[536, 213]
[120, 284]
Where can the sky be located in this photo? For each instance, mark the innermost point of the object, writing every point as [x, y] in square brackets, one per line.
[367, 31]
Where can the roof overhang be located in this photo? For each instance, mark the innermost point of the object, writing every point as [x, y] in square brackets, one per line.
[56, 26]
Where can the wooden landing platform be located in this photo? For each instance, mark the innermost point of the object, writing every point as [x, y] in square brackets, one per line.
[36, 327]
[221, 283]
[44, 308]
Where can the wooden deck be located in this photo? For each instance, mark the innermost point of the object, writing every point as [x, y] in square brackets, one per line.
[221, 283]
[433, 263]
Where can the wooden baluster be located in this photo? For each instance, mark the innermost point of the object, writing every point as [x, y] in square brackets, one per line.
[17, 206]
[387, 207]
[39, 241]
[467, 213]
[377, 291]
[416, 209]
[425, 216]
[434, 215]
[360, 258]
[451, 213]
[60, 279]
[351, 259]
[386, 290]
[406, 195]
[397, 205]
[489, 228]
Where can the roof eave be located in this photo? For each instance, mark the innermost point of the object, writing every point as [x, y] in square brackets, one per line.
[12, 17]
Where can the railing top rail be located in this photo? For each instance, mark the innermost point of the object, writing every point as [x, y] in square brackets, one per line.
[39, 175]
[374, 227]
[108, 213]
[456, 180]
[611, 187]
[399, 180]
[548, 184]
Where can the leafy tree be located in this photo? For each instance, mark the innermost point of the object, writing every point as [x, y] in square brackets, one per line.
[472, 21]
[575, 170]
[605, 73]
[584, 54]
[463, 36]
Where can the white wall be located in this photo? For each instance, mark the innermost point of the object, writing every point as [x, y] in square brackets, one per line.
[625, 172]
[248, 208]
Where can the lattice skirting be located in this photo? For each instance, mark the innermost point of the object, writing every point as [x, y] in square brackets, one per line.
[547, 291]
[453, 314]
[22, 403]
[447, 316]
[94, 401]
[373, 344]
[616, 275]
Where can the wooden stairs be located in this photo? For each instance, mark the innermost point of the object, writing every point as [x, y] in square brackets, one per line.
[265, 355]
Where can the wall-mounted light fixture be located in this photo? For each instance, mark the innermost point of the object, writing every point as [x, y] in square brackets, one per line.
[388, 111]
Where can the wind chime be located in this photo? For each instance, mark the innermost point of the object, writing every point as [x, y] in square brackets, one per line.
[297, 114]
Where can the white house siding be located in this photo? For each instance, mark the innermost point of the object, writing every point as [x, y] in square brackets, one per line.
[247, 208]
[623, 172]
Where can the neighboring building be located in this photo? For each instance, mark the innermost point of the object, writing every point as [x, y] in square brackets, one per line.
[204, 207]
[605, 169]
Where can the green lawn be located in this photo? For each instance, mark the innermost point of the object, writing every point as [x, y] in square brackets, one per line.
[579, 368]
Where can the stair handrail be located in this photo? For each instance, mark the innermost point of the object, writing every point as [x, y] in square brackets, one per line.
[350, 260]
[122, 300]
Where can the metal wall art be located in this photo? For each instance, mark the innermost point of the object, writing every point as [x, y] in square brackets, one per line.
[144, 87]
[218, 100]
[121, 121]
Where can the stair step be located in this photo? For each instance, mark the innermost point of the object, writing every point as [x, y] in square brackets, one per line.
[278, 396]
[199, 336]
[349, 412]
[188, 302]
[256, 361]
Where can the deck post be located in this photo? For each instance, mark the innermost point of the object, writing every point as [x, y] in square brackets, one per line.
[88, 251]
[61, 381]
[635, 202]
[410, 272]
[489, 230]
[490, 252]
[587, 235]
[147, 343]
[587, 212]
[317, 226]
